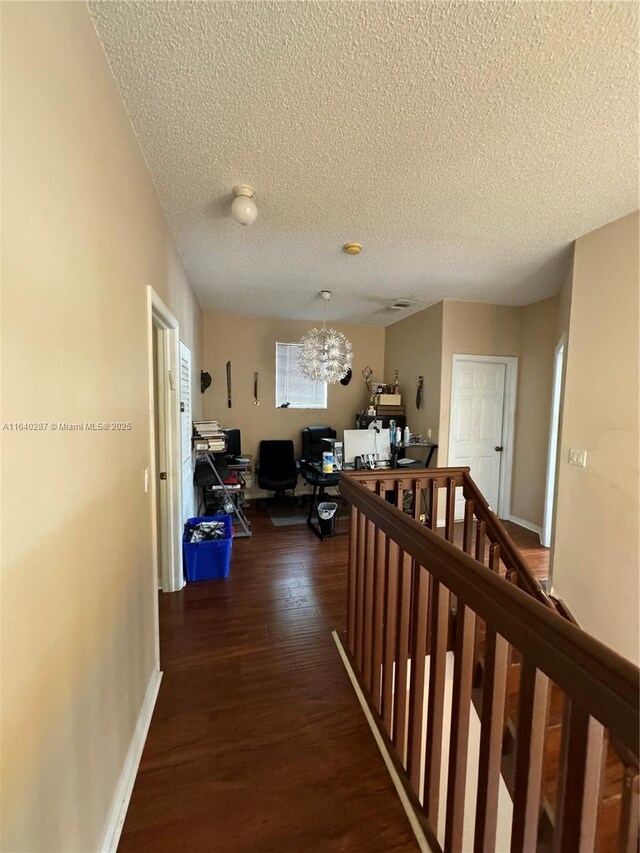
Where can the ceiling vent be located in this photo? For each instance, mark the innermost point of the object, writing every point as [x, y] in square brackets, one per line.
[401, 304]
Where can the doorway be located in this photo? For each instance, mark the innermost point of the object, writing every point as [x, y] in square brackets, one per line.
[554, 433]
[481, 427]
[165, 435]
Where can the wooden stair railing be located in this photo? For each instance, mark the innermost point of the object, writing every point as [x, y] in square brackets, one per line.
[401, 631]
[426, 488]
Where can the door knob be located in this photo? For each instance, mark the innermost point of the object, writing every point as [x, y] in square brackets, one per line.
[499, 448]
[163, 474]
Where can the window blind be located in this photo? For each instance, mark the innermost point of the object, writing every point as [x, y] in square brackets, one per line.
[292, 386]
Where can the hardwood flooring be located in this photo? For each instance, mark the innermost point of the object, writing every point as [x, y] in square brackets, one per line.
[258, 743]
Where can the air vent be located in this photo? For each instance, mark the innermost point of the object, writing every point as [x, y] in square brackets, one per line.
[401, 304]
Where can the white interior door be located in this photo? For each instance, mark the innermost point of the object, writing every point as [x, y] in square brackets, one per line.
[186, 418]
[477, 410]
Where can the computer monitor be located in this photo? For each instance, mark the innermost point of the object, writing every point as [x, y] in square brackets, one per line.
[234, 446]
[361, 442]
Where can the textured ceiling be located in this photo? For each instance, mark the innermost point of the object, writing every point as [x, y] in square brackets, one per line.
[465, 145]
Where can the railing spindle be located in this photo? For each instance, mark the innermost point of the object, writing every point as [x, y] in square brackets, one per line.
[369, 594]
[494, 557]
[360, 589]
[391, 636]
[402, 665]
[351, 579]
[467, 535]
[532, 724]
[450, 515]
[378, 616]
[630, 811]
[496, 668]
[579, 781]
[417, 499]
[439, 627]
[418, 669]
[433, 505]
[480, 540]
[460, 715]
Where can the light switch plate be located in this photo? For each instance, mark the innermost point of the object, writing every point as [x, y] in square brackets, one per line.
[146, 479]
[577, 457]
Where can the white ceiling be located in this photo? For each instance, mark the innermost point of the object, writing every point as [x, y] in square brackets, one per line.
[465, 145]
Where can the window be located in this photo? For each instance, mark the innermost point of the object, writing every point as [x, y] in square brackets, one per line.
[292, 386]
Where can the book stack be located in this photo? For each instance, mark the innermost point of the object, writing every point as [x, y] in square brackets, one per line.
[207, 435]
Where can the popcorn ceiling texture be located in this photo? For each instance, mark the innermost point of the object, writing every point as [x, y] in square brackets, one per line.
[465, 145]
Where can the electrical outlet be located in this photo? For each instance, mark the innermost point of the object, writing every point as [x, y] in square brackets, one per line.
[428, 433]
[578, 457]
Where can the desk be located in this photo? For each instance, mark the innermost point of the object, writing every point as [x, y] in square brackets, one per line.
[430, 444]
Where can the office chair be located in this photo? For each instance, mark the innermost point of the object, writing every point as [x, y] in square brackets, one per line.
[312, 443]
[277, 470]
[312, 449]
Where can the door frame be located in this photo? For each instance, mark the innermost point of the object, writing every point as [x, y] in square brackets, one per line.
[559, 361]
[503, 510]
[160, 316]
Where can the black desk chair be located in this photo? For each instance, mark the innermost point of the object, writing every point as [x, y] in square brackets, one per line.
[277, 470]
[312, 449]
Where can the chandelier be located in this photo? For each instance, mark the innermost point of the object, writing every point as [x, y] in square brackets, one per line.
[325, 355]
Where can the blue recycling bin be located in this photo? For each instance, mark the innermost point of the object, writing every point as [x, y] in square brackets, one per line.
[205, 561]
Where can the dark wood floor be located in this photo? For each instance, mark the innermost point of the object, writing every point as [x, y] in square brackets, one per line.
[529, 545]
[257, 742]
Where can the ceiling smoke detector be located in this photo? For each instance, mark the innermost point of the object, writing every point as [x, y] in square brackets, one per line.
[401, 304]
[352, 248]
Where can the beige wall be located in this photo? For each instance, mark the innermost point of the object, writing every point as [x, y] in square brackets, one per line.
[538, 343]
[413, 347]
[83, 235]
[249, 343]
[426, 342]
[595, 566]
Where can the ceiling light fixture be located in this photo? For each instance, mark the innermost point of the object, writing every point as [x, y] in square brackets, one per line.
[243, 206]
[325, 355]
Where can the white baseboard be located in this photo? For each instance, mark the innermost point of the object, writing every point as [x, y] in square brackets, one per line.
[127, 778]
[423, 844]
[534, 528]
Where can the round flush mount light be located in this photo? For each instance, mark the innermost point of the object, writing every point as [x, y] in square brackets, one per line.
[352, 248]
[243, 206]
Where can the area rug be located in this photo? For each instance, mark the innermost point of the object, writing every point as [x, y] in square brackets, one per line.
[288, 516]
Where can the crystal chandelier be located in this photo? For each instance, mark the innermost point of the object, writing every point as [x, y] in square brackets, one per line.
[325, 355]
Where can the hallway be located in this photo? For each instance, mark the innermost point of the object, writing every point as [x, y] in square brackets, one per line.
[257, 742]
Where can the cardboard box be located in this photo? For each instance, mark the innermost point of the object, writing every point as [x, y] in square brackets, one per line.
[388, 399]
